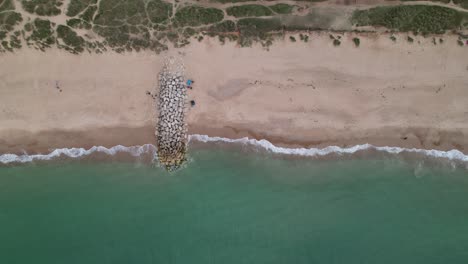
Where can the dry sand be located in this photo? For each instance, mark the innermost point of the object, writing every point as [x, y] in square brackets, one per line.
[295, 94]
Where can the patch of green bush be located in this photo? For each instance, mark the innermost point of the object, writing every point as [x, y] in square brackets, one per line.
[74, 42]
[158, 11]
[42, 7]
[114, 36]
[257, 26]
[336, 42]
[410, 39]
[282, 8]
[223, 27]
[357, 42]
[89, 13]
[9, 19]
[197, 16]
[416, 18]
[249, 11]
[6, 5]
[462, 3]
[255, 29]
[293, 39]
[42, 35]
[116, 12]
[77, 6]
[303, 37]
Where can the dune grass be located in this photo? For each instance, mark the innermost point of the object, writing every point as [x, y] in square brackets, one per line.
[416, 18]
[249, 11]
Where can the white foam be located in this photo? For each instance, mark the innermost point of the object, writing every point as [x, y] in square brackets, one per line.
[78, 152]
[136, 151]
[454, 154]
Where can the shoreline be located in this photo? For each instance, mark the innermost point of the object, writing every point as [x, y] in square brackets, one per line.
[296, 94]
[22, 142]
[147, 152]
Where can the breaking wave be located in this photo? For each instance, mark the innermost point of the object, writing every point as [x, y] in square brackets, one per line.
[137, 151]
[454, 154]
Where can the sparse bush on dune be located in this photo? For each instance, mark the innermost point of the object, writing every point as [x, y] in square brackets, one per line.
[249, 11]
[357, 42]
[126, 25]
[282, 8]
[416, 18]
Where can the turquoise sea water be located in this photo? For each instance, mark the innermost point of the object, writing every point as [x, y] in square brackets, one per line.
[235, 207]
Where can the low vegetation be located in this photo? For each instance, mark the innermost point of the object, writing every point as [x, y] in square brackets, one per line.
[356, 42]
[77, 6]
[461, 3]
[282, 8]
[127, 25]
[416, 18]
[249, 11]
[42, 7]
[71, 41]
[223, 27]
[42, 34]
[197, 16]
[304, 37]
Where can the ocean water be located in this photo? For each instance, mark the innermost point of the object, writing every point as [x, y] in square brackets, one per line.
[236, 205]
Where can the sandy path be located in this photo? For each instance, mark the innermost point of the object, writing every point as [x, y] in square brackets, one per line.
[309, 94]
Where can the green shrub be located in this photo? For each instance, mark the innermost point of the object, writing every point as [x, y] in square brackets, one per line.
[410, 39]
[88, 14]
[6, 5]
[460, 42]
[42, 7]
[256, 26]
[9, 19]
[249, 11]
[197, 16]
[462, 3]
[254, 29]
[393, 38]
[225, 26]
[282, 8]
[118, 13]
[336, 42]
[416, 18]
[293, 39]
[158, 11]
[357, 42]
[74, 42]
[43, 34]
[77, 6]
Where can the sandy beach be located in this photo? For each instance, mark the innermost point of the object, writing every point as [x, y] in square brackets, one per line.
[295, 94]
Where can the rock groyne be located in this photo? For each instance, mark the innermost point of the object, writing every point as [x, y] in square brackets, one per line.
[171, 130]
